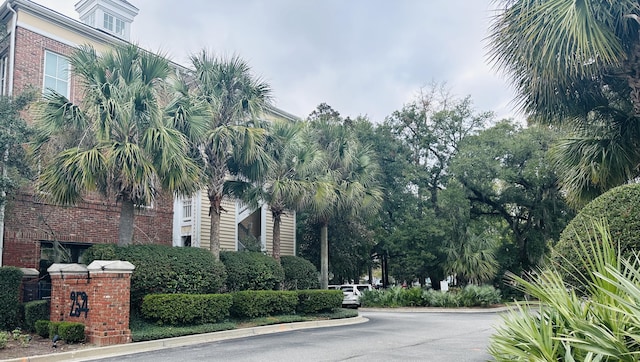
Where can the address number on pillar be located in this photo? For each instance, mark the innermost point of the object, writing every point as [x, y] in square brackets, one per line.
[79, 304]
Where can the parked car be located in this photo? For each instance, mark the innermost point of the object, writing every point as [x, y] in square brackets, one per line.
[352, 293]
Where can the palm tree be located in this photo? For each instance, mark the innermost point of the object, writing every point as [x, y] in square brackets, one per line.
[577, 64]
[119, 140]
[289, 181]
[231, 147]
[560, 54]
[349, 187]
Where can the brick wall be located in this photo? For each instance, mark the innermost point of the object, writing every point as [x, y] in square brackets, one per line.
[29, 221]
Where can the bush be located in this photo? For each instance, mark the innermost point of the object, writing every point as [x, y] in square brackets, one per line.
[299, 273]
[42, 328]
[479, 296]
[71, 332]
[251, 271]
[10, 281]
[316, 301]
[34, 311]
[53, 329]
[262, 303]
[436, 298]
[619, 208]
[601, 327]
[4, 339]
[164, 269]
[411, 297]
[187, 308]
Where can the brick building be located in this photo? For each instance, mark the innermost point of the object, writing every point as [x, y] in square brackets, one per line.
[34, 53]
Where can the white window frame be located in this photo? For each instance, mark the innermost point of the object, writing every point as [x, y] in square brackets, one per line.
[57, 77]
[108, 21]
[187, 210]
[3, 74]
[119, 26]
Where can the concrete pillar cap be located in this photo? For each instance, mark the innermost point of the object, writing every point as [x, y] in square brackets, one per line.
[67, 268]
[30, 272]
[118, 266]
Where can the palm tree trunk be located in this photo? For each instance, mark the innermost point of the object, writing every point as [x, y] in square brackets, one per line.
[277, 216]
[324, 256]
[125, 228]
[633, 77]
[214, 235]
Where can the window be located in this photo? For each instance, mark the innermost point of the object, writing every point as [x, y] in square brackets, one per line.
[186, 210]
[56, 73]
[113, 24]
[108, 22]
[62, 252]
[119, 27]
[92, 19]
[3, 75]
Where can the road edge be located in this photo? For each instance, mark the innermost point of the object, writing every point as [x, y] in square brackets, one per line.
[94, 353]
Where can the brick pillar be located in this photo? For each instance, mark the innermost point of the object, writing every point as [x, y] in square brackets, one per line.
[97, 295]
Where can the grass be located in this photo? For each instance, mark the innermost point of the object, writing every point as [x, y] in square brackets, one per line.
[143, 330]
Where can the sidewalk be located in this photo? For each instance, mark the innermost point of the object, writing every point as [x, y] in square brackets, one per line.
[89, 354]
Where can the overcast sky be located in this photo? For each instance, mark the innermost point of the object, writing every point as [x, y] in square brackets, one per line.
[362, 57]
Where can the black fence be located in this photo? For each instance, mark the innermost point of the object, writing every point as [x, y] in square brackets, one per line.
[36, 290]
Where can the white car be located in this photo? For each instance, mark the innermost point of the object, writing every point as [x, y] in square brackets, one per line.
[352, 293]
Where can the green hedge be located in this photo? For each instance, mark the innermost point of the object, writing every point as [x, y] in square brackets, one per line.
[42, 328]
[53, 329]
[10, 307]
[71, 332]
[34, 311]
[619, 209]
[251, 271]
[316, 301]
[262, 303]
[161, 269]
[299, 273]
[176, 309]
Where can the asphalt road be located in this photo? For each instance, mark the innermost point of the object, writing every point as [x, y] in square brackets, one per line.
[388, 336]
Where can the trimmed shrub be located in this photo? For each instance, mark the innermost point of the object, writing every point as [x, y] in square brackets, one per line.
[10, 280]
[251, 271]
[71, 332]
[164, 269]
[619, 209]
[34, 311]
[178, 309]
[315, 301]
[53, 329]
[262, 303]
[299, 273]
[42, 328]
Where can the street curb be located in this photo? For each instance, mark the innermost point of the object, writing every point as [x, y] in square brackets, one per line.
[90, 354]
[438, 310]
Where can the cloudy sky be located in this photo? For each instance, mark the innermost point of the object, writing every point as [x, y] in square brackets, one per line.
[363, 57]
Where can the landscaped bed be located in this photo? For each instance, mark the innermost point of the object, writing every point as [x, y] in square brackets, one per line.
[144, 331]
